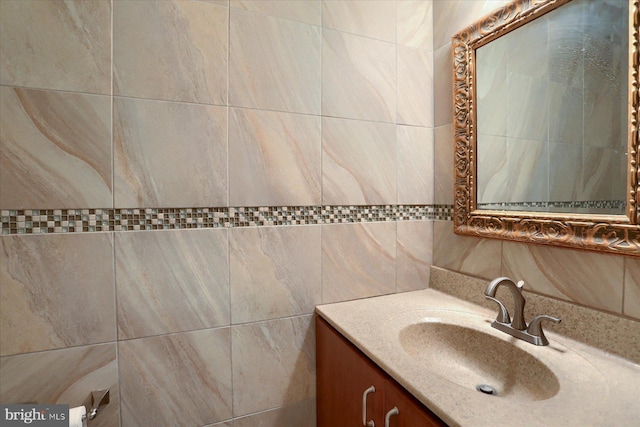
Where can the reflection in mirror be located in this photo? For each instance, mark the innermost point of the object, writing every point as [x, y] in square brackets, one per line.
[552, 113]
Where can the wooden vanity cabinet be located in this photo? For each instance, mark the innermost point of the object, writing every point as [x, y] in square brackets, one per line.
[344, 373]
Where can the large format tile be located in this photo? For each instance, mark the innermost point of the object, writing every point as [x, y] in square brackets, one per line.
[414, 254]
[274, 63]
[359, 162]
[373, 18]
[171, 281]
[275, 272]
[176, 380]
[632, 287]
[301, 414]
[56, 291]
[65, 376]
[443, 165]
[451, 16]
[274, 158]
[588, 278]
[308, 11]
[274, 364]
[415, 165]
[171, 50]
[152, 137]
[56, 45]
[358, 77]
[55, 150]
[415, 23]
[466, 254]
[443, 85]
[415, 87]
[358, 260]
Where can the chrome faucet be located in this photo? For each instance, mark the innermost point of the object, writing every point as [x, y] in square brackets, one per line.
[517, 327]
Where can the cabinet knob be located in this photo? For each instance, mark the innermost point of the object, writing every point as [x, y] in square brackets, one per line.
[391, 413]
[366, 423]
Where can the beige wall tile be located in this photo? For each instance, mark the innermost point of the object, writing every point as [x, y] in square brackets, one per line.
[64, 376]
[415, 23]
[358, 260]
[414, 254]
[274, 364]
[171, 281]
[171, 50]
[274, 158]
[358, 162]
[301, 414]
[415, 87]
[466, 254]
[275, 272]
[358, 77]
[588, 278]
[443, 165]
[55, 149]
[180, 379]
[632, 287]
[56, 291]
[372, 18]
[274, 64]
[415, 164]
[56, 45]
[152, 137]
[443, 85]
[451, 16]
[223, 3]
[308, 11]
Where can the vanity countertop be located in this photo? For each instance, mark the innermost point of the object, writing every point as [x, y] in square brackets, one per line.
[596, 388]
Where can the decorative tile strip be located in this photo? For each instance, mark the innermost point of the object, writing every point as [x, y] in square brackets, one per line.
[45, 221]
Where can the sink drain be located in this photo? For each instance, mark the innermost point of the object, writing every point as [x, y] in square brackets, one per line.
[486, 389]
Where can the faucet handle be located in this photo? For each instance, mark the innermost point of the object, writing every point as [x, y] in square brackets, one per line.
[520, 285]
[503, 314]
[535, 328]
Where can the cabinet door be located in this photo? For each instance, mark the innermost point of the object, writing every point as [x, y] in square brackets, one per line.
[411, 413]
[343, 375]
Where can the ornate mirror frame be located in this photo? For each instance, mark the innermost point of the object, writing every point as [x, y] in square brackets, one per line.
[606, 233]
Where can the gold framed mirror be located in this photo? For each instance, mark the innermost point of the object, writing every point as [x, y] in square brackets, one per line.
[580, 109]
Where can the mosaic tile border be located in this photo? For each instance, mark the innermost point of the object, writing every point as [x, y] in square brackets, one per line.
[47, 221]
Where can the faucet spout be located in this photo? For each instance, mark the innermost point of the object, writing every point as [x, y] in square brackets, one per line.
[518, 299]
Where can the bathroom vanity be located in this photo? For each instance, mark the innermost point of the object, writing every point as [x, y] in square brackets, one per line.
[352, 390]
[427, 355]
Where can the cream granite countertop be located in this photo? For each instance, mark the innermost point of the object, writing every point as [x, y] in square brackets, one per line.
[597, 388]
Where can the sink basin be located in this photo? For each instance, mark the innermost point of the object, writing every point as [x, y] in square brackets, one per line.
[477, 360]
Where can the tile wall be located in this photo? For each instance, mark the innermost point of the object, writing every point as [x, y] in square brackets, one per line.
[181, 183]
[601, 281]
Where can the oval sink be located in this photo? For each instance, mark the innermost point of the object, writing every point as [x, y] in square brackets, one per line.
[470, 358]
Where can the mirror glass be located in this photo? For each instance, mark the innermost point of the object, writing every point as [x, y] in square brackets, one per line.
[552, 112]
